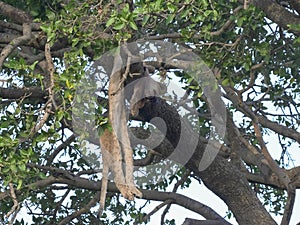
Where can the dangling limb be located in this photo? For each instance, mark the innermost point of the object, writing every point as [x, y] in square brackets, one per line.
[105, 171]
[128, 157]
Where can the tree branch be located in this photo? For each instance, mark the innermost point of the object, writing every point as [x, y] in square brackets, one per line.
[242, 107]
[85, 209]
[147, 217]
[16, 42]
[278, 14]
[295, 5]
[16, 206]
[280, 129]
[189, 221]
[17, 93]
[65, 177]
[14, 14]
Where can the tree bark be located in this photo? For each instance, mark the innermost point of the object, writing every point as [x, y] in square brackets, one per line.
[221, 177]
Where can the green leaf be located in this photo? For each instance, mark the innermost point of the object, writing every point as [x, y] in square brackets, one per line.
[172, 8]
[13, 167]
[157, 5]
[170, 18]
[226, 82]
[207, 13]
[184, 13]
[75, 42]
[20, 182]
[145, 19]
[24, 151]
[22, 167]
[60, 115]
[133, 25]
[32, 66]
[119, 26]
[199, 94]
[110, 21]
[240, 21]
[51, 15]
[42, 176]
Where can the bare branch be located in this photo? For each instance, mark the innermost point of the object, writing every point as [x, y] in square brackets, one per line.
[280, 129]
[242, 107]
[59, 148]
[176, 186]
[12, 26]
[295, 4]
[288, 209]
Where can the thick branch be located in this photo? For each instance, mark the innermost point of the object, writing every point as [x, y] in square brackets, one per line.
[69, 179]
[189, 221]
[15, 43]
[278, 14]
[279, 129]
[17, 93]
[295, 5]
[14, 14]
[221, 176]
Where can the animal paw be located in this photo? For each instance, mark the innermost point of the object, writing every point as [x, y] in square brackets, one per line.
[129, 191]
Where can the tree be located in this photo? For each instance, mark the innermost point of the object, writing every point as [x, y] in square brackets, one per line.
[47, 47]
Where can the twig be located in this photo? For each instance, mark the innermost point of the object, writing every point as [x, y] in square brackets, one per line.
[265, 122]
[84, 209]
[227, 24]
[288, 209]
[146, 218]
[59, 148]
[58, 205]
[252, 77]
[51, 101]
[15, 208]
[175, 188]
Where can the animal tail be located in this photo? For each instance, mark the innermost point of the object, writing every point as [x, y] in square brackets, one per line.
[104, 183]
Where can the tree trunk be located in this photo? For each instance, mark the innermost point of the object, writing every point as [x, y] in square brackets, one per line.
[221, 177]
